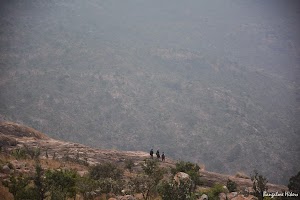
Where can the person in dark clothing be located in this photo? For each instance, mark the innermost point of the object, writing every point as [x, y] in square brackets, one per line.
[163, 157]
[157, 154]
[151, 153]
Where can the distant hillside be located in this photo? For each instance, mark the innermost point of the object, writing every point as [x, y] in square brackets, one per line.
[210, 82]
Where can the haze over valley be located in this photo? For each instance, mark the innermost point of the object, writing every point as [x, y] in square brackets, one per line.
[213, 82]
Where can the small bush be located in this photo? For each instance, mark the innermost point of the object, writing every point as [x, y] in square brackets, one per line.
[294, 183]
[25, 152]
[152, 169]
[19, 187]
[85, 185]
[19, 153]
[191, 169]
[39, 182]
[146, 183]
[149, 166]
[213, 193]
[109, 185]
[105, 170]
[34, 153]
[61, 183]
[186, 167]
[231, 185]
[142, 184]
[175, 191]
[129, 164]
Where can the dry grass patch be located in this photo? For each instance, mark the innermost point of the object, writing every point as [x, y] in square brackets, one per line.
[50, 163]
[242, 175]
[55, 164]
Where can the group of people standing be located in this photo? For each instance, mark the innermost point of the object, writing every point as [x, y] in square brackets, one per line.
[163, 157]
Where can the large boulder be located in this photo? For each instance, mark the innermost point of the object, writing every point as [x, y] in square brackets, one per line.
[6, 169]
[204, 197]
[232, 195]
[181, 176]
[6, 140]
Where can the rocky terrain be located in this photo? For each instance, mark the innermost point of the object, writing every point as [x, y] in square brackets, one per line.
[59, 154]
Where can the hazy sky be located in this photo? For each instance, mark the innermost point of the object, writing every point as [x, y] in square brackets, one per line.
[257, 33]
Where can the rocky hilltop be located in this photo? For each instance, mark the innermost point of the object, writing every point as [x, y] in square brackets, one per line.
[56, 154]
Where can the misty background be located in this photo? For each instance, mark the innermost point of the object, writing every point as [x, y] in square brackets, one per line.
[213, 82]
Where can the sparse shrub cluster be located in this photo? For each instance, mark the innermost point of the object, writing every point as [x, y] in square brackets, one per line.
[191, 169]
[181, 189]
[19, 187]
[186, 167]
[146, 183]
[85, 185]
[129, 164]
[176, 191]
[105, 178]
[19, 153]
[26, 152]
[56, 184]
[61, 183]
[231, 186]
[105, 170]
[64, 184]
[213, 192]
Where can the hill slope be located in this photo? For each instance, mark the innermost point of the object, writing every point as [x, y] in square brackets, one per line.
[61, 150]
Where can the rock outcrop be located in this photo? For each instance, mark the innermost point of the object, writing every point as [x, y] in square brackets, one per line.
[181, 177]
[17, 130]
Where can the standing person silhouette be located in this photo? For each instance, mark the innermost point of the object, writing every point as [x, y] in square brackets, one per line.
[163, 157]
[157, 154]
[151, 153]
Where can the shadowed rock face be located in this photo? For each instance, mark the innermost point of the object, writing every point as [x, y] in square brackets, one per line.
[9, 131]
[7, 140]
